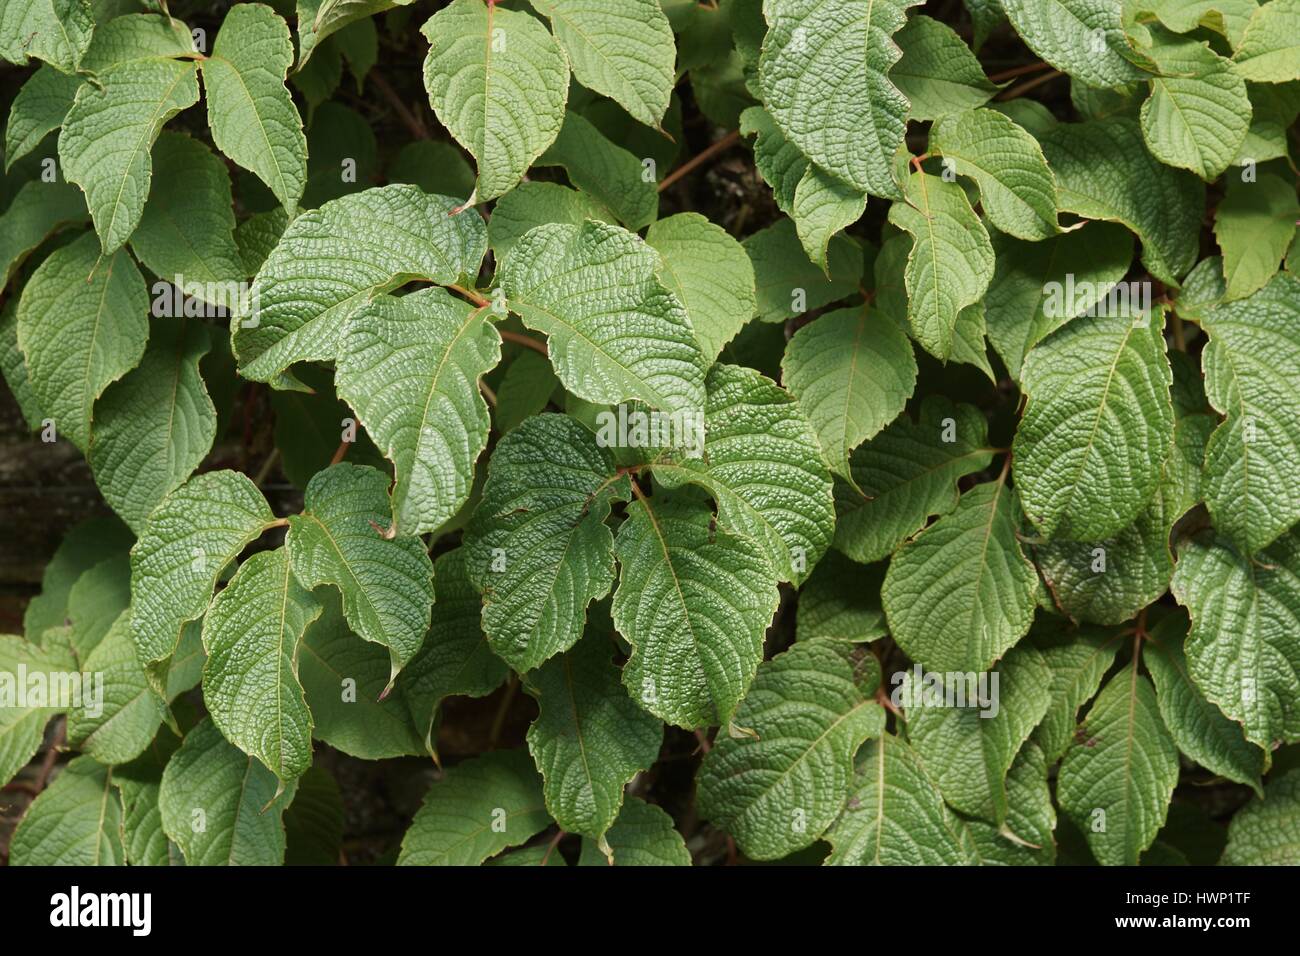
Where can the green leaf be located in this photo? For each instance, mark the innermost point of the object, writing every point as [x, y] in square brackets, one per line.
[534, 204]
[590, 738]
[969, 747]
[22, 728]
[343, 678]
[852, 374]
[824, 78]
[694, 601]
[643, 835]
[1084, 38]
[1104, 171]
[842, 601]
[1198, 113]
[961, 593]
[498, 81]
[1078, 661]
[1251, 366]
[250, 681]
[1266, 832]
[83, 546]
[1241, 650]
[252, 116]
[810, 709]
[762, 466]
[937, 72]
[187, 232]
[1200, 729]
[1269, 51]
[436, 167]
[139, 783]
[137, 36]
[96, 600]
[79, 336]
[1071, 269]
[1026, 838]
[154, 427]
[37, 110]
[332, 260]
[1098, 424]
[39, 209]
[344, 537]
[951, 261]
[1017, 188]
[1254, 224]
[615, 332]
[1120, 770]
[894, 815]
[621, 48]
[411, 367]
[122, 715]
[1225, 17]
[710, 274]
[220, 806]
[319, 19]
[787, 282]
[76, 821]
[56, 31]
[619, 180]
[905, 475]
[456, 657]
[107, 136]
[537, 547]
[476, 810]
[189, 539]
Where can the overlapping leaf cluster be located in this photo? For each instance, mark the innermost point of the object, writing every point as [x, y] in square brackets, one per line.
[1093, 527]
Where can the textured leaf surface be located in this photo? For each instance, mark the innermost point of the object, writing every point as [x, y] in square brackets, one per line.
[498, 81]
[250, 681]
[1251, 366]
[1017, 188]
[1097, 427]
[951, 261]
[411, 366]
[824, 77]
[937, 72]
[788, 283]
[906, 474]
[477, 809]
[841, 600]
[643, 835]
[694, 603]
[38, 210]
[1255, 224]
[79, 336]
[341, 538]
[590, 738]
[107, 135]
[615, 332]
[534, 204]
[1078, 662]
[23, 728]
[961, 593]
[252, 116]
[154, 427]
[56, 31]
[220, 806]
[894, 816]
[331, 260]
[852, 375]
[118, 726]
[810, 709]
[1269, 51]
[1118, 774]
[1241, 650]
[1081, 37]
[710, 274]
[1267, 832]
[761, 465]
[605, 170]
[76, 821]
[38, 109]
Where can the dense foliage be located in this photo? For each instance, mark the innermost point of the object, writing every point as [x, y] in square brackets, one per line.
[596, 397]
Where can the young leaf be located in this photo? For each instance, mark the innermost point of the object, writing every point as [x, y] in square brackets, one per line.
[345, 537]
[1120, 770]
[537, 547]
[589, 739]
[498, 81]
[76, 821]
[852, 375]
[411, 367]
[694, 602]
[250, 681]
[477, 809]
[220, 806]
[961, 593]
[79, 336]
[810, 709]
[333, 259]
